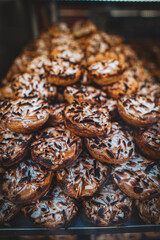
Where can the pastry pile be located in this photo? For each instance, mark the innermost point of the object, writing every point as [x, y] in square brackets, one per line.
[79, 127]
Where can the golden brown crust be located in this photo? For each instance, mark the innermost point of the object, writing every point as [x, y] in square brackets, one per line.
[56, 147]
[115, 148]
[87, 120]
[109, 207]
[26, 182]
[138, 178]
[13, 147]
[83, 93]
[108, 70]
[84, 177]
[24, 115]
[59, 29]
[139, 111]
[54, 212]
[62, 72]
[148, 140]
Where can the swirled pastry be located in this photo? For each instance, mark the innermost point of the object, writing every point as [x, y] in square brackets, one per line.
[138, 110]
[149, 210]
[54, 212]
[84, 94]
[62, 72]
[148, 140]
[56, 114]
[26, 182]
[87, 120]
[13, 147]
[138, 178]
[108, 70]
[24, 115]
[115, 148]
[84, 177]
[108, 207]
[56, 147]
[83, 28]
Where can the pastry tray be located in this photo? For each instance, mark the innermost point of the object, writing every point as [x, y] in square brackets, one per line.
[80, 225]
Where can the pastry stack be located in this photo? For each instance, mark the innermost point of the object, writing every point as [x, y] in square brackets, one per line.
[79, 126]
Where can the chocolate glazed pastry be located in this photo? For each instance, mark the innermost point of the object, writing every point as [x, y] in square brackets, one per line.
[26, 182]
[114, 148]
[23, 115]
[138, 111]
[148, 140]
[56, 147]
[53, 212]
[87, 120]
[108, 207]
[13, 147]
[138, 178]
[149, 210]
[84, 177]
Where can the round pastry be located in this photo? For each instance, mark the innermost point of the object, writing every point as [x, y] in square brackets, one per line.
[149, 210]
[138, 110]
[87, 120]
[115, 148]
[148, 88]
[31, 85]
[138, 178]
[24, 115]
[37, 65]
[56, 147]
[7, 210]
[55, 114]
[26, 182]
[148, 140]
[108, 207]
[62, 72]
[84, 94]
[54, 212]
[72, 54]
[83, 28]
[13, 147]
[126, 86]
[108, 70]
[84, 177]
[58, 29]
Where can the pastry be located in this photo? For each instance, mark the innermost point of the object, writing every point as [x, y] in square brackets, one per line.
[87, 120]
[7, 210]
[108, 207]
[83, 28]
[107, 70]
[54, 212]
[148, 140]
[58, 29]
[56, 147]
[149, 210]
[55, 114]
[84, 94]
[26, 182]
[111, 106]
[62, 72]
[13, 147]
[138, 178]
[138, 110]
[127, 85]
[24, 115]
[114, 148]
[84, 177]
[31, 85]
